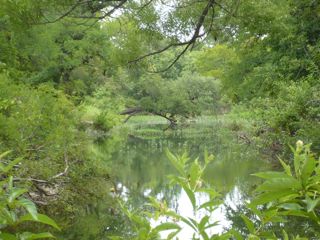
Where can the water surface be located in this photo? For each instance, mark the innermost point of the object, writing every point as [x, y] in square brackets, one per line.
[140, 169]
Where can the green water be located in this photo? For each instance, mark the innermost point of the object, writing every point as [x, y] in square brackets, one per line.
[140, 169]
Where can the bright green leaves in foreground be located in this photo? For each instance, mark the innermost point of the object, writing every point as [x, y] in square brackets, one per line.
[15, 209]
[291, 193]
[297, 189]
[190, 179]
[283, 195]
[294, 192]
[142, 226]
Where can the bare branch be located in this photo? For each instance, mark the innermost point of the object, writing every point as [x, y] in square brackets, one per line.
[65, 171]
[105, 14]
[31, 180]
[68, 13]
[179, 5]
[145, 5]
[158, 51]
[63, 15]
[225, 9]
[175, 60]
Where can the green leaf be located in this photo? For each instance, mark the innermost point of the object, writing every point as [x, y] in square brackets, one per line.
[115, 238]
[143, 233]
[235, 234]
[297, 213]
[2, 155]
[204, 235]
[140, 221]
[277, 184]
[271, 196]
[268, 213]
[189, 222]
[308, 167]
[210, 191]
[267, 235]
[31, 236]
[296, 163]
[187, 190]
[15, 194]
[209, 204]
[194, 174]
[183, 219]
[290, 206]
[175, 162]
[124, 209]
[11, 164]
[286, 167]
[8, 236]
[194, 222]
[311, 204]
[212, 225]
[8, 217]
[165, 227]
[248, 223]
[271, 175]
[207, 158]
[191, 196]
[253, 237]
[285, 235]
[41, 218]
[10, 183]
[172, 235]
[314, 182]
[203, 222]
[30, 206]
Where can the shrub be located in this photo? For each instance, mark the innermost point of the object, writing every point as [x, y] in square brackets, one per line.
[15, 209]
[39, 124]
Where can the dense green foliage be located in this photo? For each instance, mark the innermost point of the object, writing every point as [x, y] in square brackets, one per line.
[36, 123]
[71, 71]
[272, 66]
[17, 210]
[186, 96]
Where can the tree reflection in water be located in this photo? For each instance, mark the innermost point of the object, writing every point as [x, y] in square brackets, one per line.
[140, 168]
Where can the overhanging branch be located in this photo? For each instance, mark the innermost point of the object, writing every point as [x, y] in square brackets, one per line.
[72, 9]
[189, 43]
